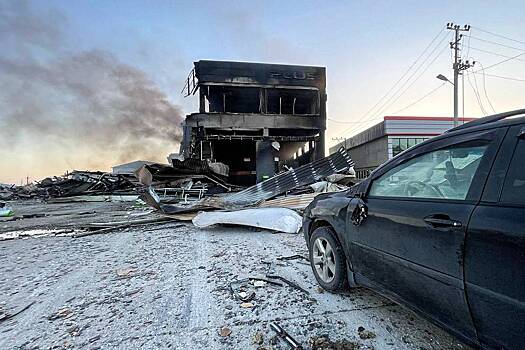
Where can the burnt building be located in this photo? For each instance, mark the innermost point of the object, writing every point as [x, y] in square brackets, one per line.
[256, 118]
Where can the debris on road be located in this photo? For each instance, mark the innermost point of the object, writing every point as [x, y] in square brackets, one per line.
[286, 337]
[294, 201]
[225, 332]
[365, 334]
[290, 283]
[258, 338]
[247, 305]
[8, 315]
[125, 271]
[275, 219]
[6, 211]
[61, 313]
[293, 257]
[323, 342]
[34, 233]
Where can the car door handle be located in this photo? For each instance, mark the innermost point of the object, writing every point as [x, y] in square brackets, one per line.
[437, 221]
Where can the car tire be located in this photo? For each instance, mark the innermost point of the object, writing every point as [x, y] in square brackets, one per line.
[329, 270]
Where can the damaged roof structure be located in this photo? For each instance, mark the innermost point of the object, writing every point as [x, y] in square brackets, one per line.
[256, 118]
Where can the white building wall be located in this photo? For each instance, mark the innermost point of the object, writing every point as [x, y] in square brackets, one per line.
[417, 126]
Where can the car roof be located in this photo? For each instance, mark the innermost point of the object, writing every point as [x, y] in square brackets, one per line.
[494, 121]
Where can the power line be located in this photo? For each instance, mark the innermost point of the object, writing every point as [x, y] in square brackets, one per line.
[406, 72]
[417, 78]
[505, 60]
[340, 121]
[440, 33]
[485, 88]
[420, 99]
[394, 97]
[501, 77]
[496, 43]
[477, 96]
[499, 35]
[390, 102]
[495, 54]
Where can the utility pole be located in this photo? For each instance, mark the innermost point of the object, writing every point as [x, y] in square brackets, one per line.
[458, 64]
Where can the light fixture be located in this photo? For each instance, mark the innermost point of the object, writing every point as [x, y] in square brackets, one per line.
[444, 78]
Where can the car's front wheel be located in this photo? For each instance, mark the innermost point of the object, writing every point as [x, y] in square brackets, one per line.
[328, 260]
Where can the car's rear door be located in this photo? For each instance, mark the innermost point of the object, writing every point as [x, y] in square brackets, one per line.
[410, 246]
[495, 250]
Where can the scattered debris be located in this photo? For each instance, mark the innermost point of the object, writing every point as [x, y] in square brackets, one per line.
[87, 183]
[96, 198]
[259, 283]
[276, 219]
[246, 296]
[239, 289]
[34, 233]
[258, 338]
[247, 305]
[326, 186]
[94, 339]
[323, 342]
[260, 194]
[285, 336]
[365, 334]
[290, 283]
[4, 316]
[225, 331]
[295, 201]
[125, 271]
[293, 257]
[6, 211]
[104, 227]
[61, 313]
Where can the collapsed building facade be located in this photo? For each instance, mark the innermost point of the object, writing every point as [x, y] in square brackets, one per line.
[256, 118]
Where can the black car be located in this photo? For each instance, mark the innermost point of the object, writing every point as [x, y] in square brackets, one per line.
[440, 228]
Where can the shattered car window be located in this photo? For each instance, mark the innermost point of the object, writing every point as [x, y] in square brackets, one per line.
[446, 173]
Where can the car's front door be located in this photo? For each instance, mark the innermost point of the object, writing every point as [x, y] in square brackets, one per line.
[410, 246]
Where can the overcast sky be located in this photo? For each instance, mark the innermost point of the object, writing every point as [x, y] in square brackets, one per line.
[366, 47]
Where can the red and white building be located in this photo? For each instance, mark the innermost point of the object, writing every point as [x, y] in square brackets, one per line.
[379, 143]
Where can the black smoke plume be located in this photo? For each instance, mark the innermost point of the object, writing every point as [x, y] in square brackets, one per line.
[55, 95]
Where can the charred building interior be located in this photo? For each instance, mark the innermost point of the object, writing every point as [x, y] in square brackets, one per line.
[256, 118]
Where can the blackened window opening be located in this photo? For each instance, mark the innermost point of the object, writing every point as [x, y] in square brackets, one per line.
[225, 99]
[289, 101]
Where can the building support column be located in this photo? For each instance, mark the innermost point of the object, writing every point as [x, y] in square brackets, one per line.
[264, 160]
[319, 146]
